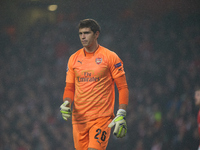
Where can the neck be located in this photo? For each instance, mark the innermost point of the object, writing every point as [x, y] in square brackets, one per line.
[92, 48]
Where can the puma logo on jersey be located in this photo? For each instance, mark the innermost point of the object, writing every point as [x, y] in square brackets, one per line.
[80, 61]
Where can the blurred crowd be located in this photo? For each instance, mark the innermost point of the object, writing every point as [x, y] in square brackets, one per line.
[162, 65]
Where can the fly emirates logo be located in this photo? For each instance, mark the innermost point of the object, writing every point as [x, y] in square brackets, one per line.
[88, 78]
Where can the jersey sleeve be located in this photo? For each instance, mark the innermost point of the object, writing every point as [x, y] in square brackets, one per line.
[70, 76]
[116, 65]
[69, 91]
[123, 90]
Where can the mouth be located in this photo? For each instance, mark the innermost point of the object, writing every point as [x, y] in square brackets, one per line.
[84, 42]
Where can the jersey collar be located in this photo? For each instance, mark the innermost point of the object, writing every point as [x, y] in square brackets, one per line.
[85, 53]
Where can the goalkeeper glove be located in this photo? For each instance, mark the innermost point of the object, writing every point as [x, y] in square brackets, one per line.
[120, 124]
[65, 109]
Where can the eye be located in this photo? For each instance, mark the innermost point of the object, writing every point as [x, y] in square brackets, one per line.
[86, 32]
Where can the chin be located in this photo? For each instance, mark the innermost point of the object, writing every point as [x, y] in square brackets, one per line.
[85, 45]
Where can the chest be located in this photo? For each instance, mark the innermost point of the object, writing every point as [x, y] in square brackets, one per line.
[92, 67]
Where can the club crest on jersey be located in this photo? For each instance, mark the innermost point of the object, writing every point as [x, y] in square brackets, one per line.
[98, 61]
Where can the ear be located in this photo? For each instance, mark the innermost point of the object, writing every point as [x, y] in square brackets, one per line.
[97, 34]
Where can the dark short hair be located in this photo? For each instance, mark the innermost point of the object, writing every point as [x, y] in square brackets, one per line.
[89, 23]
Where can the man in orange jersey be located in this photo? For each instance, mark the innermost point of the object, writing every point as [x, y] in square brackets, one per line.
[91, 74]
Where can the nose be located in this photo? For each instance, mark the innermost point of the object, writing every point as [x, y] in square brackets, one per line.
[83, 36]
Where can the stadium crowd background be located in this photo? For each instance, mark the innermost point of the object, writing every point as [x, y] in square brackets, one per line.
[162, 63]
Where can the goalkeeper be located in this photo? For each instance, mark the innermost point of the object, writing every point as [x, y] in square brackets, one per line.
[92, 73]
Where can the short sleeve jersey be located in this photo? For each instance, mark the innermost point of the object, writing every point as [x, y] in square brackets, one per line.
[94, 83]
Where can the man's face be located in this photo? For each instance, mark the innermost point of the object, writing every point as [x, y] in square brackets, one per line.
[197, 98]
[87, 36]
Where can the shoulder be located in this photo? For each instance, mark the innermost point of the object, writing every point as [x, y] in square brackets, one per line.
[108, 52]
[75, 55]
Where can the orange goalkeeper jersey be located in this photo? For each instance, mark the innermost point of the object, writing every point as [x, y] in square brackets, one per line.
[93, 77]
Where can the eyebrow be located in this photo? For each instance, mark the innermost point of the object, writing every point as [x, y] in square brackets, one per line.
[86, 32]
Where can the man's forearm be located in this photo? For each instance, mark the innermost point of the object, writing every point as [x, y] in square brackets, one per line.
[123, 106]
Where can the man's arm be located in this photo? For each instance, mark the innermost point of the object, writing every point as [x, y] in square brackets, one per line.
[69, 92]
[120, 121]
[123, 106]
[68, 98]
[122, 87]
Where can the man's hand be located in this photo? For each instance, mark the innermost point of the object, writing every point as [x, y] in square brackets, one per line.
[120, 124]
[65, 109]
